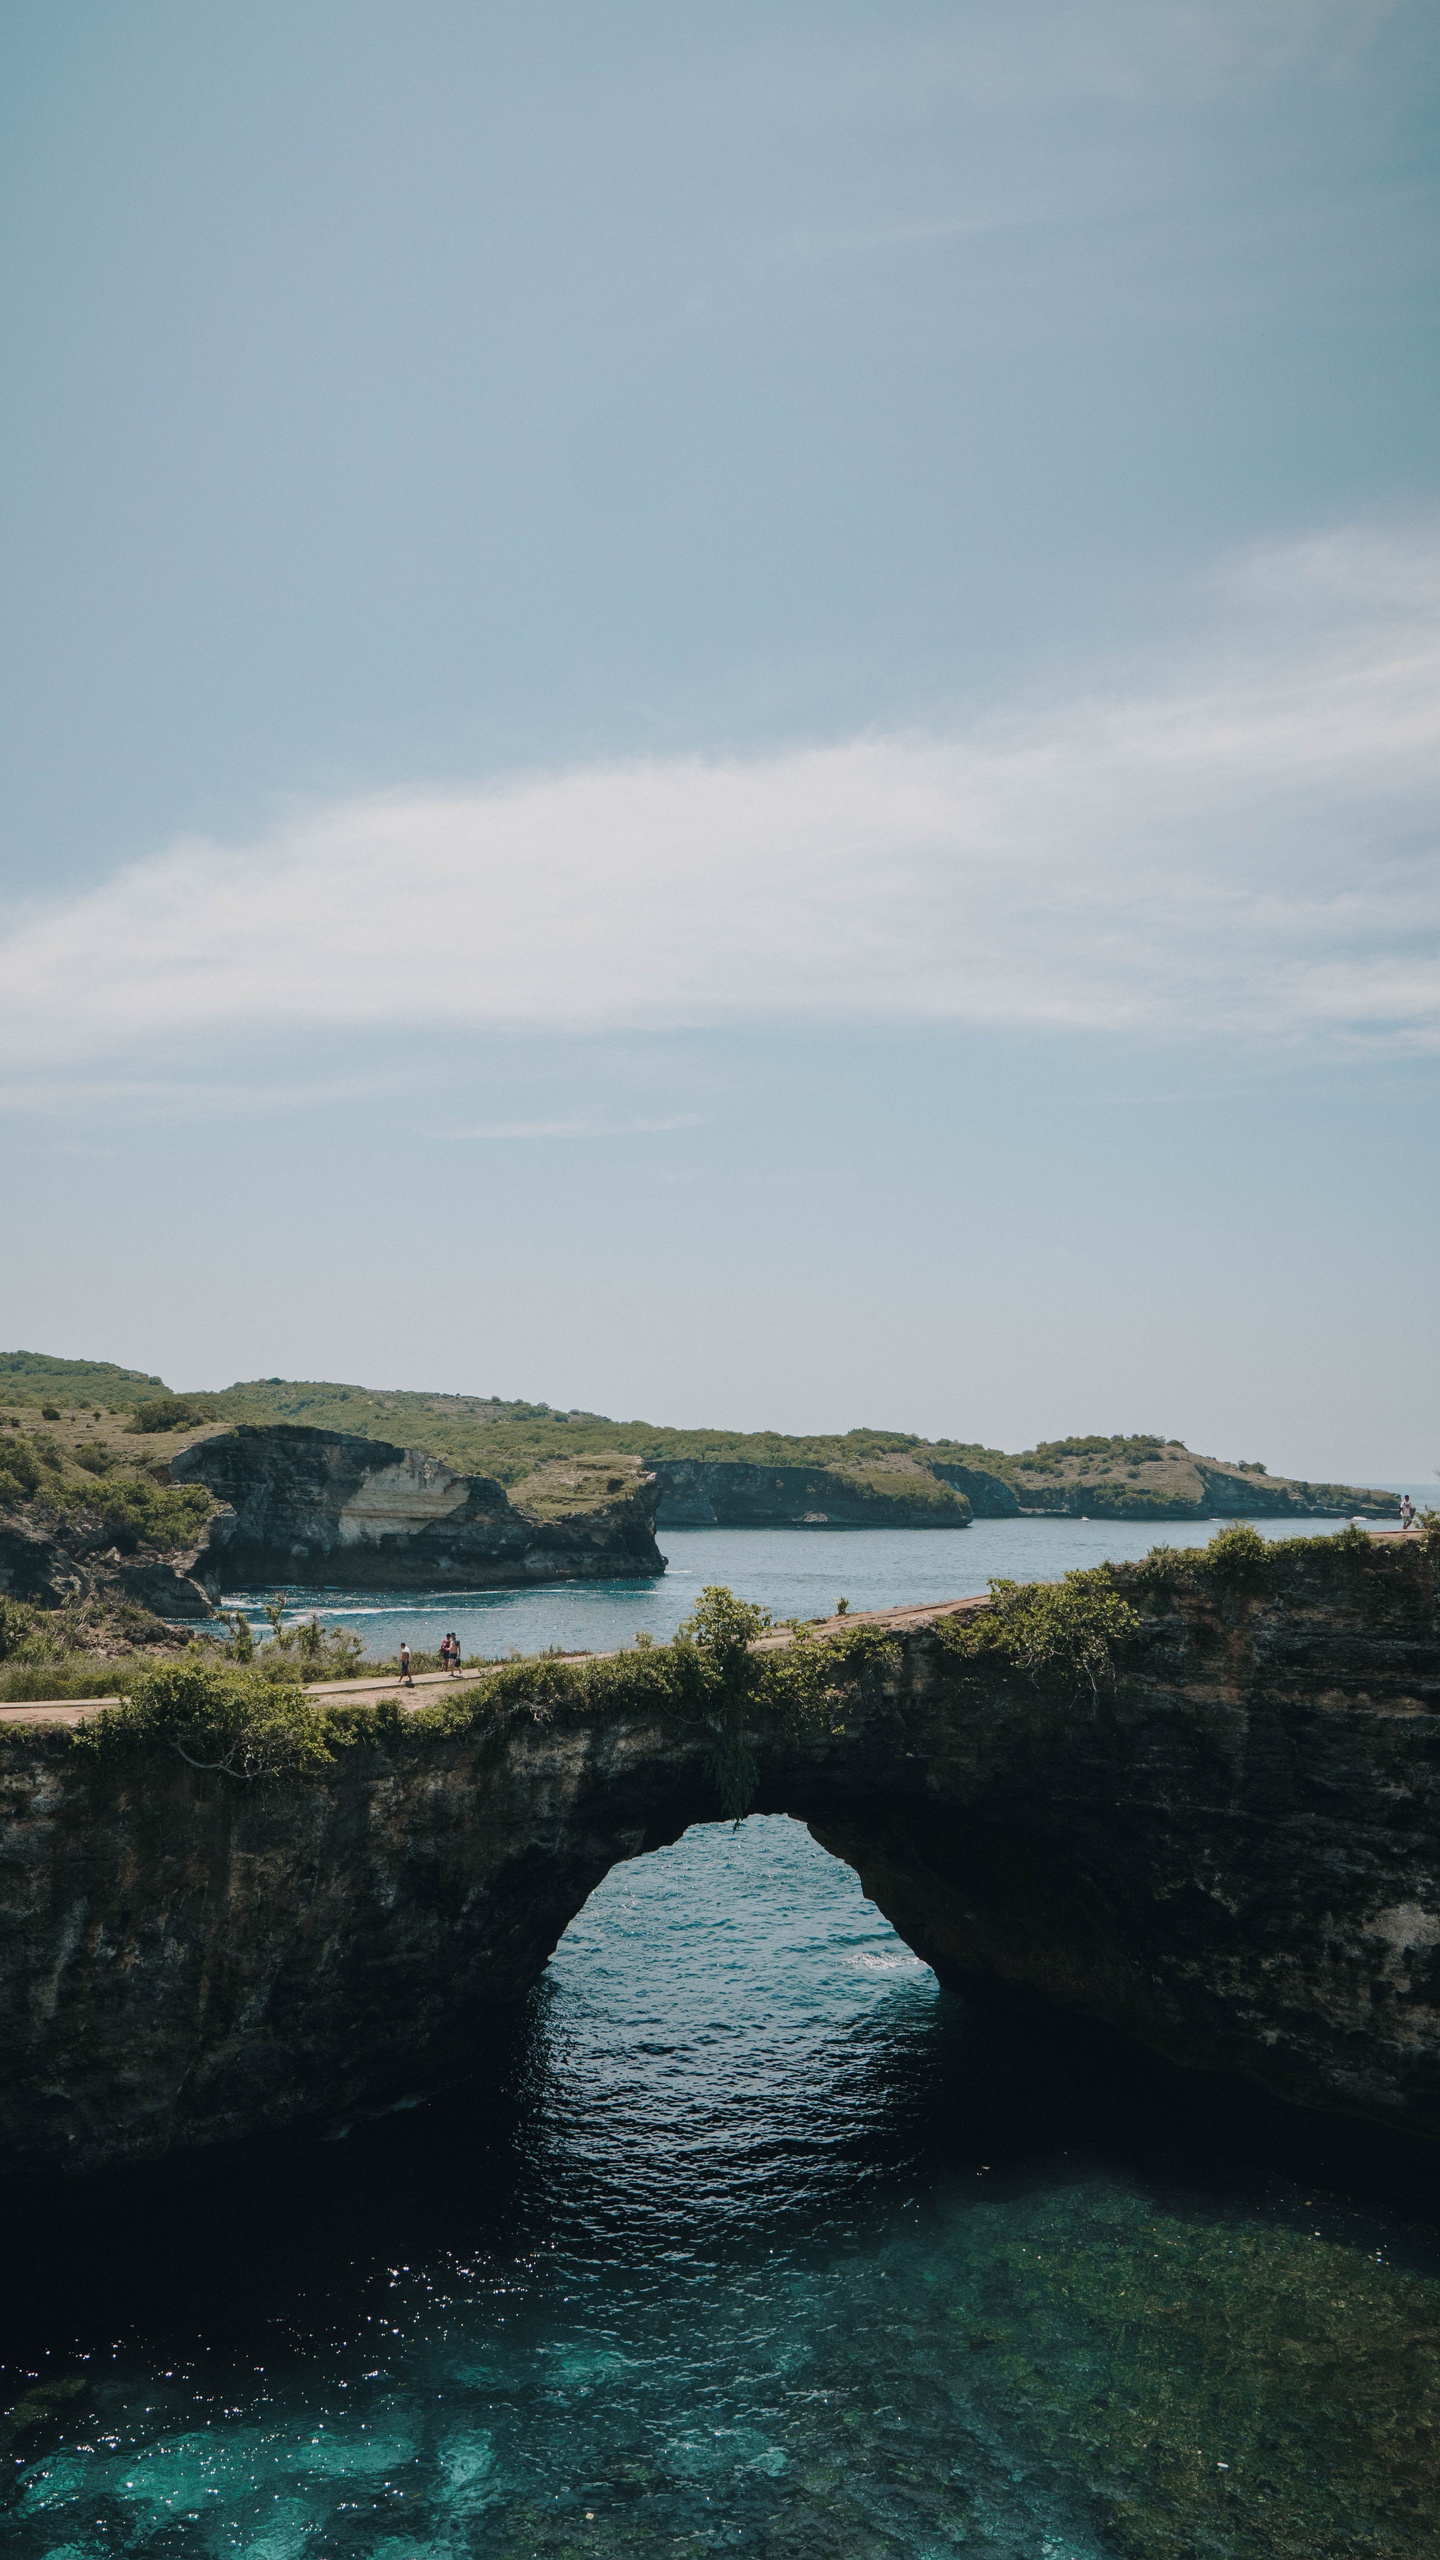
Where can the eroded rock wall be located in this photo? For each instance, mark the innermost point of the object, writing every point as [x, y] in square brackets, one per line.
[334, 1508]
[731, 1493]
[55, 1569]
[1233, 1853]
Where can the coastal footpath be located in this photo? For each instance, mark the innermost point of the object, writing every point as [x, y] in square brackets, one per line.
[1197, 1799]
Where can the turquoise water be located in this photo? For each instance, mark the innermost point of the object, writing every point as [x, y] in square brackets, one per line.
[793, 1573]
[757, 2241]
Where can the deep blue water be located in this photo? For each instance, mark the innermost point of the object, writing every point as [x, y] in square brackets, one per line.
[794, 1573]
[753, 2240]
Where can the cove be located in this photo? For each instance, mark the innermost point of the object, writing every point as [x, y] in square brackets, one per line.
[790, 1574]
[759, 2241]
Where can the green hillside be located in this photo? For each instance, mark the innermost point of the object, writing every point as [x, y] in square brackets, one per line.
[33, 1378]
[1134, 1475]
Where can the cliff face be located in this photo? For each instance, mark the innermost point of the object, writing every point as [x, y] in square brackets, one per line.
[1233, 1853]
[1170, 1483]
[333, 1508]
[53, 1568]
[989, 1497]
[726, 1493]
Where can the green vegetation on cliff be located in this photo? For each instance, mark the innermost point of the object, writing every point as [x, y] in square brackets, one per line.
[255, 1721]
[33, 1377]
[1068, 1630]
[556, 1460]
[85, 1484]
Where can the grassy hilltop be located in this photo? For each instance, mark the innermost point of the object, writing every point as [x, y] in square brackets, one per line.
[552, 1459]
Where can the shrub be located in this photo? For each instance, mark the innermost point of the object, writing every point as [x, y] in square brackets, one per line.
[1065, 1631]
[19, 1472]
[135, 1511]
[713, 1647]
[171, 1413]
[46, 1678]
[17, 1626]
[309, 1651]
[217, 1719]
[1238, 1556]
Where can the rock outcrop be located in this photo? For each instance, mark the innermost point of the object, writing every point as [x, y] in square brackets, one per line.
[727, 1493]
[338, 1510]
[1231, 1852]
[55, 1569]
[989, 1497]
[38, 1567]
[1166, 1481]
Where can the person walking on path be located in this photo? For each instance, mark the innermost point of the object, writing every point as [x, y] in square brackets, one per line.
[1407, 1511]
[405, 1666]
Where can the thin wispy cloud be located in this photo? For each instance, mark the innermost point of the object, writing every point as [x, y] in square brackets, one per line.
[1244, 845]
[578, 1128]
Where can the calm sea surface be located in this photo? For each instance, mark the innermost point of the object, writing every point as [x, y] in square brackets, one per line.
[752, 2239]
[795, 1573]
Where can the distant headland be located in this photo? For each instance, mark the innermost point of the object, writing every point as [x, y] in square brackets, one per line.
[114, 1486]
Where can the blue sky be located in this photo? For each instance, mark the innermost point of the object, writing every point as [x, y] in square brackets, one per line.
[730, 714]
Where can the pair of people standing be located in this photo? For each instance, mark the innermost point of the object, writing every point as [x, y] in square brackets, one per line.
[449, 1658]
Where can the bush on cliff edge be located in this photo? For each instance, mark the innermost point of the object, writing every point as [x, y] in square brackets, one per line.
[1066, 1631]
[243, 1722]
[216, 1718]
[709, 1679]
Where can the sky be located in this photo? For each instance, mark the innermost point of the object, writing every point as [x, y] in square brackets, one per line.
[730, 715]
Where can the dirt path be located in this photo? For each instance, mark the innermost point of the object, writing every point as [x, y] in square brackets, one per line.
[428, 1685]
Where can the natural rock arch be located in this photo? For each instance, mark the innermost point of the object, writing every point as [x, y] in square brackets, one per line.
[1232, 1852]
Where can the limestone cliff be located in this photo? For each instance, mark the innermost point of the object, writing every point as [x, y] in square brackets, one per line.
[335, 1509]
[1231, 1851]
[727, 1493]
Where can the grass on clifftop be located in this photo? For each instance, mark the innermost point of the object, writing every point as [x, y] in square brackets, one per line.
[80, 1480]
[529, 1448]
